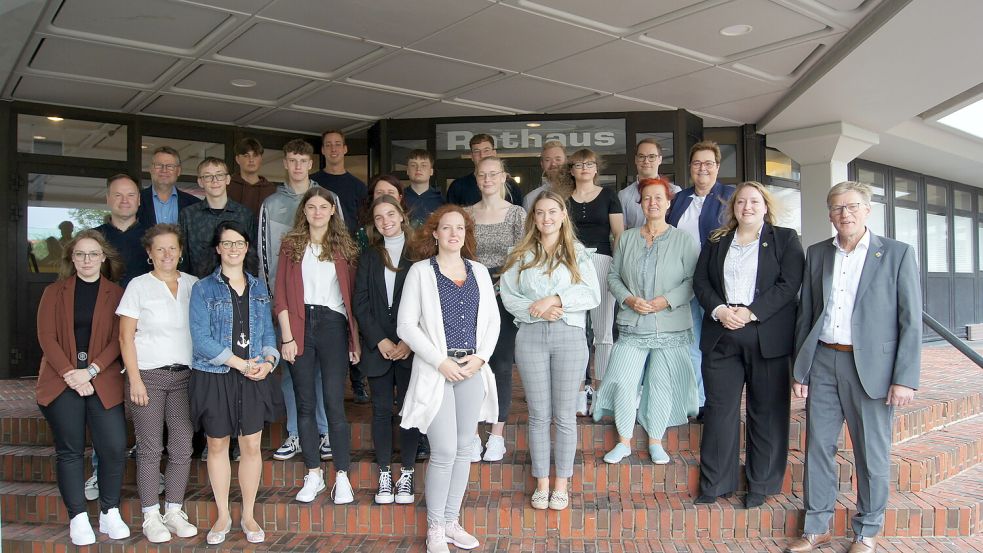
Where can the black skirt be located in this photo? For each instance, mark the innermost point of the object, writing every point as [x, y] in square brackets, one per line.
[229, 404]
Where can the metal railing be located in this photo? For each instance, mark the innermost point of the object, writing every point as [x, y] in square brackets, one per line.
[956, 341]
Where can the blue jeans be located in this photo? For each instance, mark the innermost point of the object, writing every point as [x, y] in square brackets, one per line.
[694, 351]
[290, 402]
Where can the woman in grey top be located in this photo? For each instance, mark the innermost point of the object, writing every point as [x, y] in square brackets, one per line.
[499, 225]
[651, 278]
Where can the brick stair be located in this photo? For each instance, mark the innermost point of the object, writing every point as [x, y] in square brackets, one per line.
[936, 476]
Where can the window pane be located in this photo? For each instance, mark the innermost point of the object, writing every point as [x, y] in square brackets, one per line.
[728, 161]
[71, 137]
[905, 189]
[962, 235]
[57, 208]
[962, 200]
[979, 245]
[935, 196]
[936, 243]
[190, 151]
[876, 219]
[789, 200]
[906, 227]
[875, 179]
[781, 166]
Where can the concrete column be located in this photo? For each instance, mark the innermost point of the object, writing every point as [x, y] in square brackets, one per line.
[823, 153]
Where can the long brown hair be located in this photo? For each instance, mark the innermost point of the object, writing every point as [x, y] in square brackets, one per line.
[336, 239]
[112, 266]
[376, 241]
[564, 253]
[730, 222]
[424, 245]
[365, 213]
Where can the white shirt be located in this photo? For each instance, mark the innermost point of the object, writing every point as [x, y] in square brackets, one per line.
[741, 271]
[394, 246]
[534, 193]
[690, 219]
[163, 335]
[321, 285]
[847, 268]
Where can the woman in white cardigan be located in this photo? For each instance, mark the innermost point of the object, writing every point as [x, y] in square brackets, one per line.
[449, 317]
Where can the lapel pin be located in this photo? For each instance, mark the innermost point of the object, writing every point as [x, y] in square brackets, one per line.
[764, 244]
[877, 254]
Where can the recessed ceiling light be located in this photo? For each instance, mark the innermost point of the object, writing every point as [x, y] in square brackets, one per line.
[736, 30]
[55, 118]
[534, 125]
[243, 83]
[39, 137]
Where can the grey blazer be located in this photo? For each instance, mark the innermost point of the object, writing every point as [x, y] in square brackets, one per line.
[886, 323]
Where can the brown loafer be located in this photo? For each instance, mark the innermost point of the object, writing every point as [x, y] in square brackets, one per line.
[863, 544]
[808, 542]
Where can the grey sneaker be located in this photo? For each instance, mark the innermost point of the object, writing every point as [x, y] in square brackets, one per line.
[92, 488]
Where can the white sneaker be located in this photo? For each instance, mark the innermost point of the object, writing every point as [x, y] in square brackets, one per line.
[494, 448]
[112, 524]
[177, 523]
[342, 491]
[313, 485]
[436, 538]
[476, 449]
[458, 536]
[154, 529]
[92, 488]
[290, 447]
[80, 530]
[582, 403]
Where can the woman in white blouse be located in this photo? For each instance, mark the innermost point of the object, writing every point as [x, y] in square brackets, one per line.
[549, 284]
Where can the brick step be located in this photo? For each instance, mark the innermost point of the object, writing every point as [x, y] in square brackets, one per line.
[949, 509]
[916, 465]
[52, 538]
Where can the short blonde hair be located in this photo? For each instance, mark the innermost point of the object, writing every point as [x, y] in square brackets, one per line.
[848, 186]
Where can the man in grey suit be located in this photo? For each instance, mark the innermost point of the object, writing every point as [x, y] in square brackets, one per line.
[858, 344]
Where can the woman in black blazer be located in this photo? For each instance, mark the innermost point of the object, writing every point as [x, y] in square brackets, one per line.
[747, 280]
[386, 360]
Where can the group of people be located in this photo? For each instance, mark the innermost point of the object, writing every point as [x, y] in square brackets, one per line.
[670, 303]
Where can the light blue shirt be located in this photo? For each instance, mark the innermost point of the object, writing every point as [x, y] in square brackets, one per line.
[166, 211]
[520, 290]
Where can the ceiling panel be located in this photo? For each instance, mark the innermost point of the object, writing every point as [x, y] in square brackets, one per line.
[292, 47]
[636, 65]
[395, 22]
[748, 110]
[512, 39]
[446, 109]
[843, 5]
[427, 74]
[74, 57]
[187, 107]
[239, 6]
[610, 103]
[783, 62]
[629, 13]
[703, 88]
[313, 123]
[356, 99]
[217, 79]
[524, 93]
[73, 93]
[162, 22]
[700, 31]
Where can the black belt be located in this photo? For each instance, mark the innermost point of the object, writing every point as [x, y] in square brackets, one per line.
[456, 353]
[173, 368]
[736, 305]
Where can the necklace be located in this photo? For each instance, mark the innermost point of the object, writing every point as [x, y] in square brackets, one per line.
[243, 341]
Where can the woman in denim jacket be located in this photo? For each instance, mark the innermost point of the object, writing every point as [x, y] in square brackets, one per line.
[232, 328]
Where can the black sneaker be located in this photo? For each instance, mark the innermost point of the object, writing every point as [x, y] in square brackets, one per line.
[325, 448]
[359, 391]
[385, 494]
[234, 450]
[423, 448]
[132, 453]
[404, 487]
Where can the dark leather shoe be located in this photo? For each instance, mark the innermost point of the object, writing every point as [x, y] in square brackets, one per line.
[752, 500]
[808, 542]
[704, 499]
[863, 544]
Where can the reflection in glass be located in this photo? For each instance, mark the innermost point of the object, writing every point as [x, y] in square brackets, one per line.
[789, 213]
[905, 189]
[71, 137]
[875, 179]
[58, 207]
[728, 161]
[962, 236]
[962, 200]
[937, 243]
[935, 195]
[876, 219]
[906, 227]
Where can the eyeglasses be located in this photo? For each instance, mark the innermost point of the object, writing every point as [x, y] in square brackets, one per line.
[850, 208]
[649, 157]
[213, 178]
[165, 166]
[704, 164]
[482, 151]
[488, 176]
[229, 244]
[585, 165]
[85, 256]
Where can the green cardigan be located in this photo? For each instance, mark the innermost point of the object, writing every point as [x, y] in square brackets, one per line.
[674, 277]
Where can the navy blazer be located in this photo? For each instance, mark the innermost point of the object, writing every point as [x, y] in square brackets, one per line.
[781, 264]
[376, 320]
[146, 213]
[711, 217]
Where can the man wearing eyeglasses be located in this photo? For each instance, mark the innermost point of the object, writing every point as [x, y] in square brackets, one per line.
[162, 202]
[198, 222]
[464, 190]
[648, 157]
[699, 210]
[858, 341]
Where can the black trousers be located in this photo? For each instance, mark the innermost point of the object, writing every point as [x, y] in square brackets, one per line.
[502, 361]
[325, 350]
[68, 415]
[734, 363]
[385, 418]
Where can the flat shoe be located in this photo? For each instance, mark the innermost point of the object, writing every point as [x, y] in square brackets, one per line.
[253, 537]
[215, 538]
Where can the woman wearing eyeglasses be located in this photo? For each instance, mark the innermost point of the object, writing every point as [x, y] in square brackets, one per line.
[699, 210]
[155, 342]
[234, 352]
[596, 214]
[498, 227]
[79, 381]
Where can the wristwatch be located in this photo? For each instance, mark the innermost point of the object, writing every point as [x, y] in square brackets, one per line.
[92, 370]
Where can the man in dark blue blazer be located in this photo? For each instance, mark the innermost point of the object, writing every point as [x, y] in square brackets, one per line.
[162, 201]
[699, 210]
